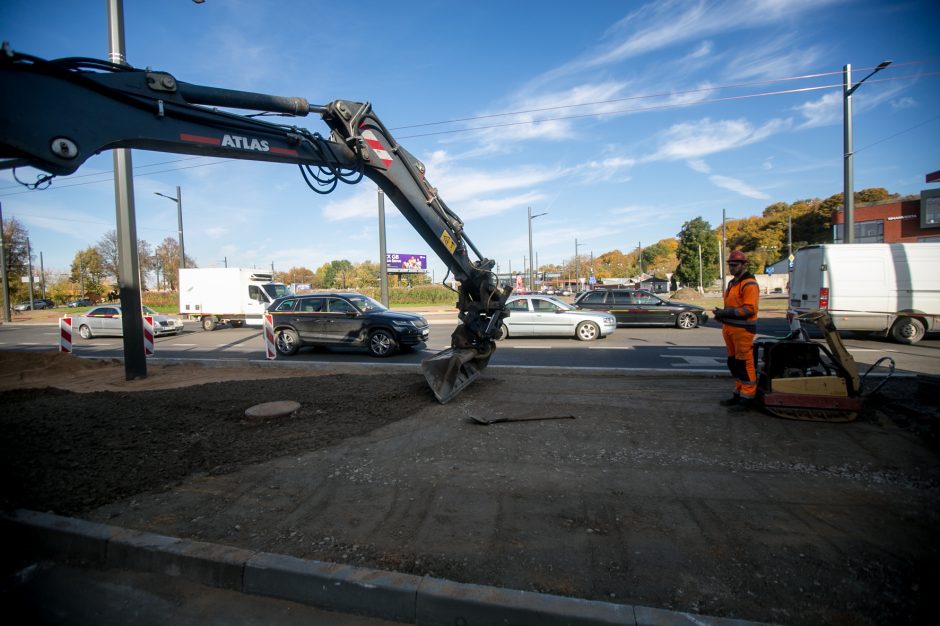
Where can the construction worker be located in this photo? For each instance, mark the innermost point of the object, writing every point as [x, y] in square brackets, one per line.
[738, 326]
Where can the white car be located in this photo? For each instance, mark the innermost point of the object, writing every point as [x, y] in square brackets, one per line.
[537, 315]
[105, 320]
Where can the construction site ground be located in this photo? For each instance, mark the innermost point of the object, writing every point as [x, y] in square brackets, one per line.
[637, 489]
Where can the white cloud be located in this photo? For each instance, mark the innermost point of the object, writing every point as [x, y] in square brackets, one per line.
[776, 58]
[821, 112]
[666, 23]
[700, 166]
[609, 169]
[903, 103]
[690, 140]
[737, 186]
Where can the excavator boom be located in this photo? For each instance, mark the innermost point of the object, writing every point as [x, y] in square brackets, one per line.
[54, 115]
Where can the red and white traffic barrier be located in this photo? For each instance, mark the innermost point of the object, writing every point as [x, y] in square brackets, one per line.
[65, 334]
[269, 348]
[148, 335]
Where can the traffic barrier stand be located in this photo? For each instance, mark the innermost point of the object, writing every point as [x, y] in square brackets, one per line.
[148, 335]
[270, 351]
[65, 334]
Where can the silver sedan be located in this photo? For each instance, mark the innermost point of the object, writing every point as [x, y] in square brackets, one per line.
[539, 315]
[105, 320]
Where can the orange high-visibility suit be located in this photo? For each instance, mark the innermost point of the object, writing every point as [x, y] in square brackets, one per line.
[739, 325]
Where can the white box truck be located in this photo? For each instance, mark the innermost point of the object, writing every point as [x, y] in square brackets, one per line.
[888, 288]
[214, 295]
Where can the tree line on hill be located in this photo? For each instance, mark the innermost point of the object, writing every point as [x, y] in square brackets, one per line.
[763, 238]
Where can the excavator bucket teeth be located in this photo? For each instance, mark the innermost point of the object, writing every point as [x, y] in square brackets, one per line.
[450, 370]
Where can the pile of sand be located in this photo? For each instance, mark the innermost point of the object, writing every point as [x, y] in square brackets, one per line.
[687, 295]
[32, 370]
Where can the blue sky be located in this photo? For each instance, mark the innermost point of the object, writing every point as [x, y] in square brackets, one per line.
[620, 120]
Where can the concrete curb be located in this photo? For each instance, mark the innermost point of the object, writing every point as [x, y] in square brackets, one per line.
[335, 587]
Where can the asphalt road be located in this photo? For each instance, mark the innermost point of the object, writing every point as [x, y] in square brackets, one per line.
[663, 349]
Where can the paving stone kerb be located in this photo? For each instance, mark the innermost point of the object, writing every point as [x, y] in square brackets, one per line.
[375, 593]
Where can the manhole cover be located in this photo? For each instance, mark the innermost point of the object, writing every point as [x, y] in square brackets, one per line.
[268, 410]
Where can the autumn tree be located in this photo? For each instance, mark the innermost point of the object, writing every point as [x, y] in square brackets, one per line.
[108, 253]
[88, 271]
[15, 246]
[166, 261]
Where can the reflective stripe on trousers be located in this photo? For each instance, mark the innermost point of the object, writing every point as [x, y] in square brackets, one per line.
[740, 342]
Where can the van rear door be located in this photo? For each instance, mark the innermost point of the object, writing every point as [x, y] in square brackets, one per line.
[807, 279]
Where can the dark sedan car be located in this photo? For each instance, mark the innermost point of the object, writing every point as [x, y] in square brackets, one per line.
[638, 307]
[343, 319]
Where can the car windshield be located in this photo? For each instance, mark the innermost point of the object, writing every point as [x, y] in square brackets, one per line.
[148, 311]
[367, 304]
[549, 303]
[276, 290]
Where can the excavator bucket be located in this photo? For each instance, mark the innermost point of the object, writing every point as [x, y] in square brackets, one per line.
[450, 370]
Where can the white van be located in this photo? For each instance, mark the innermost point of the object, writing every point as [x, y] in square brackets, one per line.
[887, 288]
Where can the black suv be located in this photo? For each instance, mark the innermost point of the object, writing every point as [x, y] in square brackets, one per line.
[638, 307]
[343, 319]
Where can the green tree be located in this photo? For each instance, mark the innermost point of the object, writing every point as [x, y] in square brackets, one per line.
[695, 235]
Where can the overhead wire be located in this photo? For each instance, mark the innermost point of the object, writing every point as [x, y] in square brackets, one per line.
[327, 179]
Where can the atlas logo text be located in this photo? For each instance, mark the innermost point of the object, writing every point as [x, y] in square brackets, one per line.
[245, 143]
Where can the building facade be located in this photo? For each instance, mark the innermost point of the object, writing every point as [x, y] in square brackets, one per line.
[893, 221]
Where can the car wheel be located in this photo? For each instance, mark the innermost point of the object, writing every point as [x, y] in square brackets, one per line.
[908, 330]
[85, 332]
[287, 342]
[209, 322]
[382, 343]
[687, 320]
[587, 331]
[502, 333]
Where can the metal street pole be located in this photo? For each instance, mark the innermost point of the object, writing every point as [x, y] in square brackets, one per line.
[577, 265]
[179, 219]
[848, 195]
[531, 276]
[700, 286]
[3, 269]
[29, 265]
[42, 276]
[721, 257]
[383, 255]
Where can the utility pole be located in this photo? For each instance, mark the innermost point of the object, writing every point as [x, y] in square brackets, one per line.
[132, 322]
[848, 195]
[29, 265]
[3, 268]
[42, 276]
[700, 288]
[383, 255]
[531, 276]
[721, 256]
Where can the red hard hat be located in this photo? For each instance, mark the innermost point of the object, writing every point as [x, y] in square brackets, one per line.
[737, 255]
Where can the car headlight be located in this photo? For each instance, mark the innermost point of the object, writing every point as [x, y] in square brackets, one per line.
[404, 323]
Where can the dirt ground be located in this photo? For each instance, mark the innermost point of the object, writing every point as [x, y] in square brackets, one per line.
[640, 491]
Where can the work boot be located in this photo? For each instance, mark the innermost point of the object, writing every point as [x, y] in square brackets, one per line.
[743, 405]
[733, 400]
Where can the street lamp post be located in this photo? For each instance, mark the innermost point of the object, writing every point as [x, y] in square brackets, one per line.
[848, 199]
[577, 265]
[531, 275]
[179, 220]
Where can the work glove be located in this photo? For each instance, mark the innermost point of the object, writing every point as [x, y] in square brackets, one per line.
[721, 314]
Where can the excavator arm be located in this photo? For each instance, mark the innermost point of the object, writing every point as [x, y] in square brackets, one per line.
[54, 115]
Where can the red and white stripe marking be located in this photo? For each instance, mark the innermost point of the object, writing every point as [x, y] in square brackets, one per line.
[377, 147]
[269, 348]
[65, 334]
[148, 335]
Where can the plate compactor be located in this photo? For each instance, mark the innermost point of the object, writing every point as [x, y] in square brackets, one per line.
[805, 380]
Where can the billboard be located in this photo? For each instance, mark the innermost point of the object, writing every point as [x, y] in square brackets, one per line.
[406, 263]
